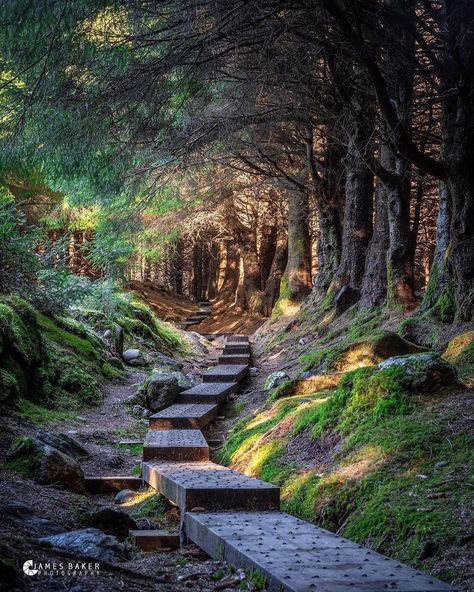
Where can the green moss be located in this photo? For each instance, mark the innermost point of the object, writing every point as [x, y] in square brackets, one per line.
[80, 346]
[39, 415]
[460, 352]
[152, 508]
[19, 334]
[111, 372]
[133, 448]
[282, 390]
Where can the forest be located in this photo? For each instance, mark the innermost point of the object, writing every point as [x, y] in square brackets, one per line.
[284, 187]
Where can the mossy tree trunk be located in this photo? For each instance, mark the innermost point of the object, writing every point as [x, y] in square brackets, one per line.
[298, 269]
[272, 287]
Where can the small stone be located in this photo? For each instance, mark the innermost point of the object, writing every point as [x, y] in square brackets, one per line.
[124, 496]
[134, 357]
[253, 371]
[275, 379]
[107, 334]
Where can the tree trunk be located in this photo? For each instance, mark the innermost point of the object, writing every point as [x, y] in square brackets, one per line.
[272, 288]
[213, 271]
[298, 269]
[357, 225]
[267, 252]
[450, 290]
[330, 206]
[252, 293]
[230, 280]
[374, 285]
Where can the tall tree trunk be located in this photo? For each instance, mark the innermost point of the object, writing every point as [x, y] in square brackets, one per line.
[197, 271]
[230, 281]
[267, 251]
[450, 290]
[357, 225]
[298, 269]
[272, 288]
[374, 285]
[213, 271]
[330, 207]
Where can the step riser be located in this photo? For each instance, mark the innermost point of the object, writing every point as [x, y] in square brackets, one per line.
[237, 360]
[231, 373]
[238, 339]
[231, 351]
[112, 484]
[205, 398]
[148, 540]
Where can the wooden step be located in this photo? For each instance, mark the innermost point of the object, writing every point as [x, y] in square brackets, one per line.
[198, 317]
[226, 373]
[237, 339]
[176, 445]
[210, 487]
[236, 348]
[210, 392]
[112, 484]
[192, 415]
[154, 540]
[237, 359]
[296, 556]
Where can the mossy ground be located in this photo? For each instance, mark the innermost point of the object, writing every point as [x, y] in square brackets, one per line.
[381, 465]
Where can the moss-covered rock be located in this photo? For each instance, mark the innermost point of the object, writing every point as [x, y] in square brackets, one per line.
[45, 464]
[460, 352]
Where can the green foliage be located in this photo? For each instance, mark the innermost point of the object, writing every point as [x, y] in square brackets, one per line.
[111, 372]
[133, 448]
[152, 508]
[39, 415]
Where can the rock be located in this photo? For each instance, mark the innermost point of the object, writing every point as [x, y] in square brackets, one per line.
[107, 334]
[371, 351]
[160, 390]
[124, 496]
[138, 411]
[134, 357]
[304, 340]
[184, 382]
[425, 372]
[253, 371]
[114, 522]
[23, 514]
[47, 465]
[89, 542]
[275, 379]
[167, 361]
[64, 443]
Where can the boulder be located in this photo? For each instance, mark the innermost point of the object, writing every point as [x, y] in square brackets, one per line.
[184, 382]
[372, 350]
[167, 361]
[124, 496]
[111, 521]
[275, 379]
[64, 443]
[47, 465]
[34, 522]
[134, 357]
[160, 390]
[88, 542]
[424, 372]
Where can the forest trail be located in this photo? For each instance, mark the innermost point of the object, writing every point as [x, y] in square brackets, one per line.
[236, 518]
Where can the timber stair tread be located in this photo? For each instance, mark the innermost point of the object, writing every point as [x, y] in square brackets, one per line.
[182, 416]
[175, 445]
[208, 392]
[226, 373]
[209, 486]
[154, 540]
[237, 359]
[297, 556]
